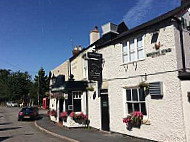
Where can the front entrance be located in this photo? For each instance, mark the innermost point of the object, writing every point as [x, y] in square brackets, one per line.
[61, 105]
[104, 110]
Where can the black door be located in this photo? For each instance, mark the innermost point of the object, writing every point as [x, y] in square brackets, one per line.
[105, 110]
[61, 105]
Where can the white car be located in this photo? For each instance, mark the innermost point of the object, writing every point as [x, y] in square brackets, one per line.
[9, 104]
[12, 104]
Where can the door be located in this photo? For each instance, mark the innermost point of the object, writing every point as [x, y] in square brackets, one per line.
[61, 105]
[104, 110]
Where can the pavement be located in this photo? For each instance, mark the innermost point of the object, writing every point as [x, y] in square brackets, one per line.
[81, 134]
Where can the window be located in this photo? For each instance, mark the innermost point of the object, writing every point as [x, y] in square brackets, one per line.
[85, 68]
[133, 50]
[77, 101]
[135, 100]
[140, 50]
[125, 52]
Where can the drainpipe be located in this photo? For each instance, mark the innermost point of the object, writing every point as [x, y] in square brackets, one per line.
[181, 43]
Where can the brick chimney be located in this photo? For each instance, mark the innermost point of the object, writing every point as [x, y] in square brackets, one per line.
[94, 35]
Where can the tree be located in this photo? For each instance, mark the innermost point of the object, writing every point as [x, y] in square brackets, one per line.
[20, 86]
[33, 93]
[4, 82]
[42, 82]
[14, 85]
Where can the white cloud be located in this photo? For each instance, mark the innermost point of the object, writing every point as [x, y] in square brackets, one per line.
[137, 13]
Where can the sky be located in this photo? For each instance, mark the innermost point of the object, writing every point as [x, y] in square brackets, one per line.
[40, 33]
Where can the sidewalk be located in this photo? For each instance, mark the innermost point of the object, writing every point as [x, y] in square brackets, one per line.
[81, 134]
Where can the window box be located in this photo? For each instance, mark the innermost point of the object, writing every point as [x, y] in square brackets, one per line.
[133, 120]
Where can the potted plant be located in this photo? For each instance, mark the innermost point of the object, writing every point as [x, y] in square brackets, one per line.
[53, 113]
[79, 118]
[144, 85]
[134, 119]
[90, 88]
[63, 116]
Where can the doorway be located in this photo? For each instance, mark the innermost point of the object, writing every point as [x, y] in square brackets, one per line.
[104, 110]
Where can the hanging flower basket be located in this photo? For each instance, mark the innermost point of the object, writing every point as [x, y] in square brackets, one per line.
[90, 88]
[133, 120]
[144, 85]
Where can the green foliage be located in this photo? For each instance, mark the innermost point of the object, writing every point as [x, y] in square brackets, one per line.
[14, 85]
[42, 82]
[17, 86]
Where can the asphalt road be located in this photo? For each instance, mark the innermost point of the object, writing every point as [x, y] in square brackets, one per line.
[12, 130]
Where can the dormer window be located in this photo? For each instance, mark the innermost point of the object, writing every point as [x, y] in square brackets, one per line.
[133, 50]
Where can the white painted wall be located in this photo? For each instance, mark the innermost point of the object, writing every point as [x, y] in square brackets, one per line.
[94, 110]
[62, 69]
[185, 87]
[53, 106]
[166, 114]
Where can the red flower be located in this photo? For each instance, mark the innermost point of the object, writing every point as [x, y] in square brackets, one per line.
[72, 114]
[63, 114]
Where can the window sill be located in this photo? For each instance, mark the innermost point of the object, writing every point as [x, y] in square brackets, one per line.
[133, 62]
[146, 122]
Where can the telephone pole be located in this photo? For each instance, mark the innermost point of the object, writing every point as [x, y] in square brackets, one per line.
[38, 90]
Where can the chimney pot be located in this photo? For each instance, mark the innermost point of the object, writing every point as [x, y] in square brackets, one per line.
[80, 48]
[94, 35]
[75, 51]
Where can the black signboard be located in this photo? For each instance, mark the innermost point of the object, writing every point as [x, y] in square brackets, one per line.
[94, 55]
[94, 66]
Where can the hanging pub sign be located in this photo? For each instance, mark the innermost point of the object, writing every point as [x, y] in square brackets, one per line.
[94, 66]
[94, 55]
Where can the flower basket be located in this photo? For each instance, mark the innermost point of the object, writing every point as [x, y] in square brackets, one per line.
[133, 120]
[63, 116]
[90, 88]
[79, 118]
[53, 113]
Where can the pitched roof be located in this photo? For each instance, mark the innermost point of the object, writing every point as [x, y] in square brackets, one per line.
[152, 22]
[121, 29]
[126, 32]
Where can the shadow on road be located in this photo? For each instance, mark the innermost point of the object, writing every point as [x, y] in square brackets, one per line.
[11, 128]
[4, 138]
[5, 123]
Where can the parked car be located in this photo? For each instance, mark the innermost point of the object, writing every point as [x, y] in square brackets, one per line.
[8, 104]
[27, 113]
[12, 104]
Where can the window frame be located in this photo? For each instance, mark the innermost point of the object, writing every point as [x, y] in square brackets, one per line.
[135, 51]
[77, 96]
[134, 102]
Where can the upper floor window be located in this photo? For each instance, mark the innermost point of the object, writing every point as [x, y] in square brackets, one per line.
[133, 50]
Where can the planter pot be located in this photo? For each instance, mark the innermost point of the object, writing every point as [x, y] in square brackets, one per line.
[131, 125]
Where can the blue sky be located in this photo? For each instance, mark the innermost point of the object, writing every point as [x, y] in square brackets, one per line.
[38, 33]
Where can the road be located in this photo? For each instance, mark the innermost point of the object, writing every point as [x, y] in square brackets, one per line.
[12, 130]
